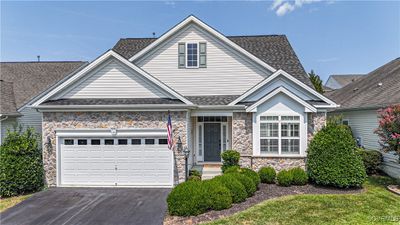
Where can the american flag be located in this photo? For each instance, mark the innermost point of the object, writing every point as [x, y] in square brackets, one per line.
[169, 131]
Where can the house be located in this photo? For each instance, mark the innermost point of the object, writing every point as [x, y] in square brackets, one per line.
[338, 81]
[106, 125]
[20, 83]
[359, 102]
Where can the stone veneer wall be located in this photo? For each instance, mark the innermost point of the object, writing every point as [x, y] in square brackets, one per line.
[242, 142]
[63, 120]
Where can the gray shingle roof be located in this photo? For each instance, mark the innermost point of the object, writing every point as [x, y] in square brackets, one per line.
[367, 93]
[7, 100]
[275, 50]
[212, 99]
[113, 101]
[29, 79]
[345, 79]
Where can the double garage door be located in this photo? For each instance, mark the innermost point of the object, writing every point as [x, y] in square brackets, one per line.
[122, 161]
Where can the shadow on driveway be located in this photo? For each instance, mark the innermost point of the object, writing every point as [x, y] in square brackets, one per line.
[90, 206]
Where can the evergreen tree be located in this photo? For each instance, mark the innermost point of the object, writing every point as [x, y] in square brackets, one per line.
[316, 81]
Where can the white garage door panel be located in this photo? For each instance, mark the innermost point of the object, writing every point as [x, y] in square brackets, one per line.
[110, 165]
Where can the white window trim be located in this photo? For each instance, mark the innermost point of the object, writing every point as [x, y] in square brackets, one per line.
[186, 55]
[302, 135]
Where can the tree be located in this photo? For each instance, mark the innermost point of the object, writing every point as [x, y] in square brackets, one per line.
[389, 128]
[316, 81]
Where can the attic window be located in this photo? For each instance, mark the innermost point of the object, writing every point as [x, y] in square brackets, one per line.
[192, 55]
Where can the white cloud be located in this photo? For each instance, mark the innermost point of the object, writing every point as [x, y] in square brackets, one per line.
[282, 7]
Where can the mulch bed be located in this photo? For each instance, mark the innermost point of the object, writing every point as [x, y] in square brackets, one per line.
[266, 191]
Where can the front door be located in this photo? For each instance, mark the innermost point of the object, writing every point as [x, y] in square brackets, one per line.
[212, 142]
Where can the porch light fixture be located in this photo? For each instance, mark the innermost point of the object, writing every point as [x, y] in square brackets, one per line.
[186, 152]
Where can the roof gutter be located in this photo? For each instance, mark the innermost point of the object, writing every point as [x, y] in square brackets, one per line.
[144, 107]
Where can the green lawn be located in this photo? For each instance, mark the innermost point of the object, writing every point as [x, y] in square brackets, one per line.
[6, 203]
[374, 206]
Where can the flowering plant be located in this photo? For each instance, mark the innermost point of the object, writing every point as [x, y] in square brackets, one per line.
[389, 128]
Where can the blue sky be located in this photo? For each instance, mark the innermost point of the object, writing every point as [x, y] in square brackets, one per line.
[331, 37]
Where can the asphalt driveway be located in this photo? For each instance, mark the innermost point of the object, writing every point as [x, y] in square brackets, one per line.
[90, 206]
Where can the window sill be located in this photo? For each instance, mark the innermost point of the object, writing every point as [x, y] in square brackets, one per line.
[280, 156]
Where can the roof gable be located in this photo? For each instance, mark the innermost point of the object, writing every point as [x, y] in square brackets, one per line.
[114, 80]
[96, 64]
[298, 87]
[193, 20]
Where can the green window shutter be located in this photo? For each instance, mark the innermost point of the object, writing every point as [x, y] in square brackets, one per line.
[203, 55]
[181, 55]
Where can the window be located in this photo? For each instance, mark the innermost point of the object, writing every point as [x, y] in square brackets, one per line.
[95, 142]
[122, 141]
[109, 141]
[149, 141]
[136, 141]
[200, 134]
[280, 134]
[345, 122]
[163, 141]
[192, 55]
[82, 142]
[69, 142]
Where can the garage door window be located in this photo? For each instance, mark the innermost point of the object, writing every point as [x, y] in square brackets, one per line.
[136, 141]
[149, 142]
[163, 141]
[82, 142]
[122, 141]
[109, 141]
[95, 142]
[69, 142]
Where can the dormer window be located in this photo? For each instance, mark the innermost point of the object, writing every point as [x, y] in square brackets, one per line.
[192, 55]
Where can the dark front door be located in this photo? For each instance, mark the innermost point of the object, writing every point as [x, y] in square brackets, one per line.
[212, 142]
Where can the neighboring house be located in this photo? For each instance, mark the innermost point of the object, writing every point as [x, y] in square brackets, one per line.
[107, 124]
[338, 81]
[359, 102]
[20, 83]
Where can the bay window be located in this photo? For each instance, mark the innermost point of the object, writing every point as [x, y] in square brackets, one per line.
[280, 135]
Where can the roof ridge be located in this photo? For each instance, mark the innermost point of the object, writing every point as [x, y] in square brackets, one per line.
[51, 61]
[257, 35]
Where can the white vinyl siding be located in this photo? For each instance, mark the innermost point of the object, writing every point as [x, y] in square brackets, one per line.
[114, 80]
[30, 118]
[227, 73]
[363, 123]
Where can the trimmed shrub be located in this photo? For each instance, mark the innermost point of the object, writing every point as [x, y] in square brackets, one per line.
[230, 158]
[187, 199]
[194, 178]
[332, 159]
[371, 159]
[284, 178]
[238, 191]
[267, 175]
[232, 169]
[194, 173]
[251, 174]
[246, 181]
[21, 168]
[299, 176]
[218, 196]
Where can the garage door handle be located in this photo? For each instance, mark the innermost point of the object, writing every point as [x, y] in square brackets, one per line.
[116, 167]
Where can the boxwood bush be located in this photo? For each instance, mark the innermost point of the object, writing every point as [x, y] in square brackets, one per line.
[187, 199]
[372, 159]
[230, 158]
[284, 178]
[21, 168]
[237, 189]
[251, 174]
[299, 176]
[246, 181]
[267, 175]
[332, 159]
[218, 196]
[232, 169]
